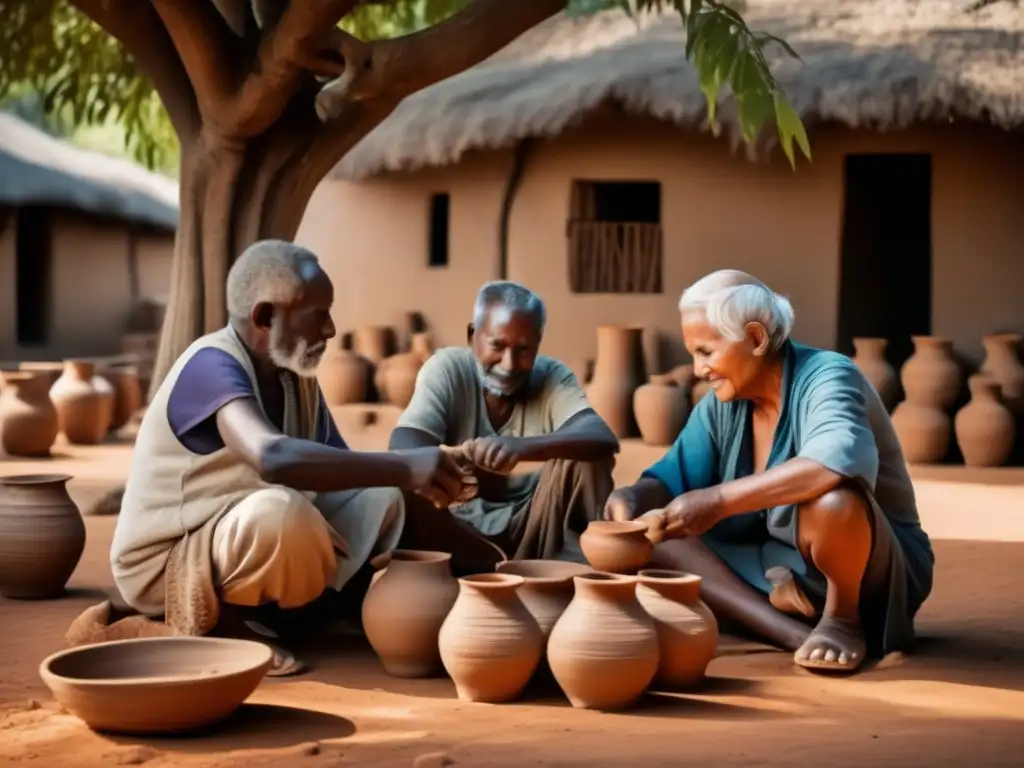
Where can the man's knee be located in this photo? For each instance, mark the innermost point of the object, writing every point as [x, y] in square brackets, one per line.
[392, 501]
[280, 513]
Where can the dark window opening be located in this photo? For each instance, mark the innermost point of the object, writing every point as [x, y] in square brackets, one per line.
[33, 267]
[615, 237]
[440, 213]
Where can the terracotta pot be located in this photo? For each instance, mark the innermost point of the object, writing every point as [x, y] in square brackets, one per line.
[931, 376]
[343, 376]
[870, 358]
[398, 377]
[660, 407]
[924, 432]
[422, 345]
[618, 372]
[603, 651]
[490, 644]
[1003, 364]
[684, 376]
[28, 420]
[83, 412]
[373, 342]
[42, 536]
[127, 393]
[616, 546]
[687, 629]
[404, 609]
[51, 371]
[700, 388]
[985, 427]
[548, 587]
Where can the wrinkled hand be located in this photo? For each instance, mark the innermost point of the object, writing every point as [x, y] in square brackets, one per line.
[437, 474]
[496, 454]
[691, 514]
[620, 506]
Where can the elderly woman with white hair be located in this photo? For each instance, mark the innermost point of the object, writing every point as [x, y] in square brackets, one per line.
[787, 491]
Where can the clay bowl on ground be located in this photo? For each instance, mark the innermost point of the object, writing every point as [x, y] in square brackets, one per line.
[156, 685]
[616, 546]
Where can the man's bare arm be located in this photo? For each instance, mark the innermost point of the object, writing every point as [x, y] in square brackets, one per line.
[407, 438]
[584, 437]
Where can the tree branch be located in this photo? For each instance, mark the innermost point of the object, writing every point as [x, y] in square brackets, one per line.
[139, 29]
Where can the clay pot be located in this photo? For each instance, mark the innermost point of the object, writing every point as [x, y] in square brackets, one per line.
[924, 432]
[985, 427]
[50, 371]
[397, 377]
[127, 393]
[616, 546]
[931, 376]
[83, 412]
[343, 376]
[683, 376]
[700, 388]
[42, 536]
[870, 358]
[373, 342]
[618, 372]
[660, 407]
[490, 644]
[1004, 365]
[156, 684]
[687, 629]
[548, 587]
[28, 420]
[603, 650]
[404, 609]
[422, 345]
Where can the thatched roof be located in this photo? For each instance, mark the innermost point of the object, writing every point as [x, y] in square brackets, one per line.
[866, 63]
[37, 169]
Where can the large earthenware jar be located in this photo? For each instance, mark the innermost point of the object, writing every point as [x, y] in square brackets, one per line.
[398, 377]
[28, 420]
[931, 376]
[616, 546]
[42, 536]
[603, 650]
[127, 393]
[687, 629]
[870, 358]
[404, 608]
[618, 372]
[1003, 364]
[490, 643]
[924, 432]
[83, 412]
[660, 407]
[343, 377]
[373, 342]
[985, 427]
[548, 587]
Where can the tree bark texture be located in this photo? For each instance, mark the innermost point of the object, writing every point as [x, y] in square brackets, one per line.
[266, 97]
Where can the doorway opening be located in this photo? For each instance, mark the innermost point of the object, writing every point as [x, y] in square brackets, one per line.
[33, 274]
[885, 280]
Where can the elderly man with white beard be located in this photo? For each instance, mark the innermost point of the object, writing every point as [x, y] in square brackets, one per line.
[241, 492]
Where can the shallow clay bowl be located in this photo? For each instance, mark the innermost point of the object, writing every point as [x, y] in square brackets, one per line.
[616, 546]
[156, 684]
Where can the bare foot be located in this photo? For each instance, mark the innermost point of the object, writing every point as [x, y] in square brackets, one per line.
[835, 645]
[786, 594]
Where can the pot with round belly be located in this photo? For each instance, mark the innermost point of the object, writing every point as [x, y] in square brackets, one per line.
[869, 356]
[343, 377]
[82, 411]
[490, 643]
[28, 420]
[548, 587]
[42, 536]
[931, 376]
[603, 651]
[985, 427]
[924, 432]
[1004, 365]
[398, 375]
[616, 546]
[687, 629]
[660, 407]
[404, 608]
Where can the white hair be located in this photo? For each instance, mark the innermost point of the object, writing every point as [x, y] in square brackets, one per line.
[731, 299]
[269, 271]
[512, 296]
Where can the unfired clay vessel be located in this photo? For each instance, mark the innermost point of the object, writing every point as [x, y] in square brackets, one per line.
[924, 432]
[343, 376]
[42, 536]
[618, 371]
[687, 629]
[548, 587]
[83, 412]
[404, 609]
[931, 376]
[156, 684]
[603, 650]
[985, 427]
[490, 643]
[870, 358]
[660, 406]
[1003, 364]
[28, 420]
[616, 546]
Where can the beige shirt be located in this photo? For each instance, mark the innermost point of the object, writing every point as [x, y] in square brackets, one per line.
[448, 404]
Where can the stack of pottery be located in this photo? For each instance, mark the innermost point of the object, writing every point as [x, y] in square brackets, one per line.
[618, 372]
[931, 381]
[28, 420]
[396, 375]
[84, 403]
[661, 407]
[869, 355]
[985, 427]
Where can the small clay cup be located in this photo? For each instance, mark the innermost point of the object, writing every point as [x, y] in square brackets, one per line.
[616, 546]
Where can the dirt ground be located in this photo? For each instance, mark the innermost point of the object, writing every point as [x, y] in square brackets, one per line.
[959, 700]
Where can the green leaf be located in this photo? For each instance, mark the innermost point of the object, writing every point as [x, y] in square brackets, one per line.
[790, 127]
